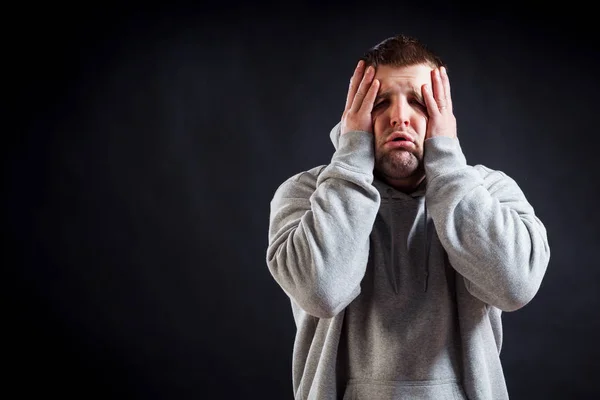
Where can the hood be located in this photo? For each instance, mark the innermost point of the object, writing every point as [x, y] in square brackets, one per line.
[335, 134]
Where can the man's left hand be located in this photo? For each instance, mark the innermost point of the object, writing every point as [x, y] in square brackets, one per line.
[439, 105]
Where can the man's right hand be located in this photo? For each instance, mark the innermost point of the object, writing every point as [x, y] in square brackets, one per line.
[359, 103]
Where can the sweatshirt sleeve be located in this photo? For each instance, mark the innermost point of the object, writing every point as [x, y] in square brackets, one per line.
[319, 229]
[489, 230]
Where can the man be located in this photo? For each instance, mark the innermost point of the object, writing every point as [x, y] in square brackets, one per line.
[398, 256]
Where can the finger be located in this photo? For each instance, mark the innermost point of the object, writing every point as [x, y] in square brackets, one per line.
[367, 104]
[432, 106]
[446, 85]
[438, 90]
[354, 82]
[362, 89]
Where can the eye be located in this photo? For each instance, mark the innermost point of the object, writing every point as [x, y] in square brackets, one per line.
[379, 105]
[417, 103]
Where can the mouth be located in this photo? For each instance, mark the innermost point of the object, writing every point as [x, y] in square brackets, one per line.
[399, 136]
[400, 139]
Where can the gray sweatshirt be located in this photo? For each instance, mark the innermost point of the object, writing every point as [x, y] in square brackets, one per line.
[399, 296]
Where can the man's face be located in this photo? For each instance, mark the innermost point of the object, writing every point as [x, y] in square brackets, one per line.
[399, 112]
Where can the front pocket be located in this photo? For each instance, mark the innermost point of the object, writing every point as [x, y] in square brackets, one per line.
[366, 389]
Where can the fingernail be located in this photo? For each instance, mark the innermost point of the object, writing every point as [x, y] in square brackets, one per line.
[443, 69]
[360, 63]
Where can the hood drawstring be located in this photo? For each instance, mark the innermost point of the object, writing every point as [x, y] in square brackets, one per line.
[392, 269]
[427, 245]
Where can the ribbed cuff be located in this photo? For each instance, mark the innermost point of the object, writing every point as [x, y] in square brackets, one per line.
[442, 155]
[356, 152]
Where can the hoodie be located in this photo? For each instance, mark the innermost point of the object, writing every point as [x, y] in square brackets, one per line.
[400, 295]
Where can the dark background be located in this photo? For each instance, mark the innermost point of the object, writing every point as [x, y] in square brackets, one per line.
[143, 145]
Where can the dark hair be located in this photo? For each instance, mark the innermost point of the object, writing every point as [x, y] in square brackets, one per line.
[401, 51]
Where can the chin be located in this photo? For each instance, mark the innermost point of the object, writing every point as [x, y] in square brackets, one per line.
[396, 172]
[398, 166]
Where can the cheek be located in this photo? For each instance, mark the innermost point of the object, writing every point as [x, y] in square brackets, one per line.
[419, 122]
[378, 126]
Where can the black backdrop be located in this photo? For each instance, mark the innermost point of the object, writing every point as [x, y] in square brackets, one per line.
[149, 140]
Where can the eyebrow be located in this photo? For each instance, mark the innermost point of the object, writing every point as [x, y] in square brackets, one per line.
[412, 91]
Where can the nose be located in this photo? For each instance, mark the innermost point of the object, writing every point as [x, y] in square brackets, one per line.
[400, 115]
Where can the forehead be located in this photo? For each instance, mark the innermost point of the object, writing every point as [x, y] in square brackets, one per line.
[414, 75]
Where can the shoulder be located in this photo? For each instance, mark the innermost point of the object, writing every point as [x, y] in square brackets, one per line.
[488, 173]
[496, 179]
[301, 182]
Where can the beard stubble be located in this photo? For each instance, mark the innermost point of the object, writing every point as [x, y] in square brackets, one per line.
[398, 164]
